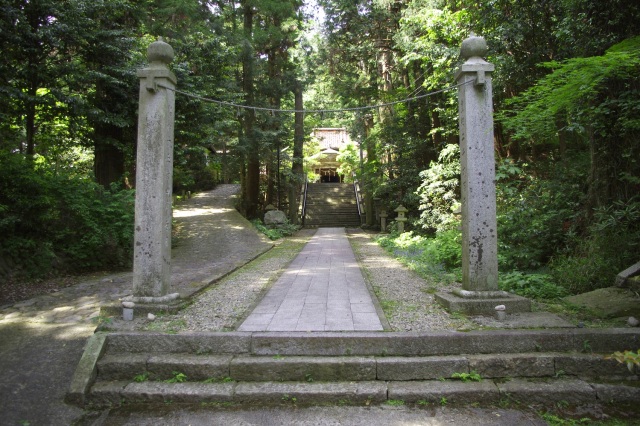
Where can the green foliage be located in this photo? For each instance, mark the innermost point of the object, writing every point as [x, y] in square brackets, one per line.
[427, 256]
[59, 222]
[610, 246]
[630, 358]
[178, 377]
[472, 376]
[349, 160]
[535, 286]
[535, 213]
[571, 86]
[143, 377]
[278, 232]
[439, 191]
[395, 402]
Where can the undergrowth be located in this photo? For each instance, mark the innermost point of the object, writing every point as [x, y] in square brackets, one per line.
[275, 233]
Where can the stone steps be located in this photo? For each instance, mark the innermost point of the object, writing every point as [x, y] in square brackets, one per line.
[331, 205]
[539, 366]
[252, 394]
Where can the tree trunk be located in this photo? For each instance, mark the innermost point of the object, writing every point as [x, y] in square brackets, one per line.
[297, 170]
[252, 183]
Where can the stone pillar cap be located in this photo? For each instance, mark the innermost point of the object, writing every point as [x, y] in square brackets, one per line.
[159, 51]
[401, 208]
[473, 46]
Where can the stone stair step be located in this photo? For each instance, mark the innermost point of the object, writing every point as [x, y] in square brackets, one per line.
[364, 393]
[356, 368]
[237, 367]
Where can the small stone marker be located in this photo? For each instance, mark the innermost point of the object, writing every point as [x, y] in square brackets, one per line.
[127, 310]
[383, 220]
[501, 312]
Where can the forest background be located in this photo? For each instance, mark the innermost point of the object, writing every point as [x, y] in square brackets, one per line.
[566, 104]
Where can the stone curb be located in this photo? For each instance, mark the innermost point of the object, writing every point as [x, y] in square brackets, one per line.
[86, 371]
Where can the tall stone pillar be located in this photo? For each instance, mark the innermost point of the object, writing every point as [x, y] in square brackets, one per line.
[154, 176]
[477, 166]
[480, 292]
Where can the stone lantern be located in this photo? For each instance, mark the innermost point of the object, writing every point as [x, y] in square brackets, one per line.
[401, 219]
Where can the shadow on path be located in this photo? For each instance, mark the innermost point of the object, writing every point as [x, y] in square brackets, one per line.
[42, 339]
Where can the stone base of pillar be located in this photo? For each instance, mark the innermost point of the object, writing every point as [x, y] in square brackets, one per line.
[482, 302]
[168, 304]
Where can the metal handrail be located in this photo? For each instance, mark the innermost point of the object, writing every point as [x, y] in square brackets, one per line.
[356, 190]
[304, 200]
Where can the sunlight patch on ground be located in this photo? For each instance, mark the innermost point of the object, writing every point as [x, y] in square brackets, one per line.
[198, 212]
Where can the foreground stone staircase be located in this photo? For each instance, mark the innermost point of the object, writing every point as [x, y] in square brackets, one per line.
[544, 367]
[331, 205]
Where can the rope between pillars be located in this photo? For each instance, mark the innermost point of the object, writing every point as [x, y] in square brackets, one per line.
[316, 111]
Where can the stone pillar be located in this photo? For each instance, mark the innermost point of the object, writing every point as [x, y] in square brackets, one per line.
[154, 176]
[477, 166]
[480, 293]
[383, 220]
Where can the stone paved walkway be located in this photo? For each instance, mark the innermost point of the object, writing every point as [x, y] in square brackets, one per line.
[322, 290]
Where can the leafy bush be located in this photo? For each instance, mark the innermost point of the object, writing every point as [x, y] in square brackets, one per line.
[536, 211]
[60, 222]
[535, 286]
[610, 246]
[427, 256]
[440, 191]
[276, 233]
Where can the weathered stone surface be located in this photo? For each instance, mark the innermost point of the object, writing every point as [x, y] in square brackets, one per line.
[154, 172]
[195, 367]
[275, 217]
[105, 394]
[200, 343]
[477, 306]
[303, 368]
[548, 392]
[420, 368]
[610, 302]
[617, 393]
[193, 393]
[86, 371]
[631, 271]
[593, 366]
[122, 366]
[311, 393]
[453, 392]
[444, 342]
[512, 365]
[522, 320]
[477, 168]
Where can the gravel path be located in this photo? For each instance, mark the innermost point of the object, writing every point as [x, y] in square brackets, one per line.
[224, 306]
[405, 297]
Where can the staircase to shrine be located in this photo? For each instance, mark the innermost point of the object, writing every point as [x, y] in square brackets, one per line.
[331, 205]
[532, 367]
